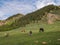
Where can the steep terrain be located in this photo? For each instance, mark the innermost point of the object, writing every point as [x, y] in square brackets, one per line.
[13, 19]
[41, 15]
[51, 18]
[48, 14]
[7, 24]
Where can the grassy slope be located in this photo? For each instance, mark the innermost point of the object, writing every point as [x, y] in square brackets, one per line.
[10, 23]
[51, 34]
[19, 20]
[13, 18]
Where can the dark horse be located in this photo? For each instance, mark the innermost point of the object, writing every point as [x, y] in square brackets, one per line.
[41, 30]
[30, 33]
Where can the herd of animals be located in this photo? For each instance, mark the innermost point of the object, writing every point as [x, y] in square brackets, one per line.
[30, 32]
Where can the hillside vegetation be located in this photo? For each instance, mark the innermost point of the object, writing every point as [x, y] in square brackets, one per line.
[39, 15]
[34, 17]
[7, 24]
[51, 35]
[13, 19]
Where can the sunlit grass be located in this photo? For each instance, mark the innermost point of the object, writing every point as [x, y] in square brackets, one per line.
[16, 37]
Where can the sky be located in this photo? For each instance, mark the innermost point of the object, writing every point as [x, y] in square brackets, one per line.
[11, 7]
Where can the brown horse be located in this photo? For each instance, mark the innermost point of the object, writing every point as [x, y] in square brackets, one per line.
[22, 30]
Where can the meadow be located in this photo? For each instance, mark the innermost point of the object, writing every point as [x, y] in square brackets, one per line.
[50, 36]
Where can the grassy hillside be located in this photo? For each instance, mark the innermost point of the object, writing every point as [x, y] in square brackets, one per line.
[38, 15]
[34, 17]
[13, 19]
[51, 35]
[33, 21]
[7, 24]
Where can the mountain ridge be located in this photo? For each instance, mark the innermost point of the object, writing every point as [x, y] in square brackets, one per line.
[34, 17]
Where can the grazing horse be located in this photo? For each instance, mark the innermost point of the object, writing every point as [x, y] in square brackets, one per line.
[41, 30]
[30, 33]
[23, 31]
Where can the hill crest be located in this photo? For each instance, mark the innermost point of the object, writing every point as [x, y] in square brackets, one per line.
[48, 14]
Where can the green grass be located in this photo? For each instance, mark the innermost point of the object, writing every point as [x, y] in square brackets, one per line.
[16, 37]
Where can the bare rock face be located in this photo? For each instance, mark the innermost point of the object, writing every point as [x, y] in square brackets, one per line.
[51, 18]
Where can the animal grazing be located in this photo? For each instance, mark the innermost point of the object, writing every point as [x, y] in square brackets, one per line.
[30, 33]
[41, 30]
[22, 30]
